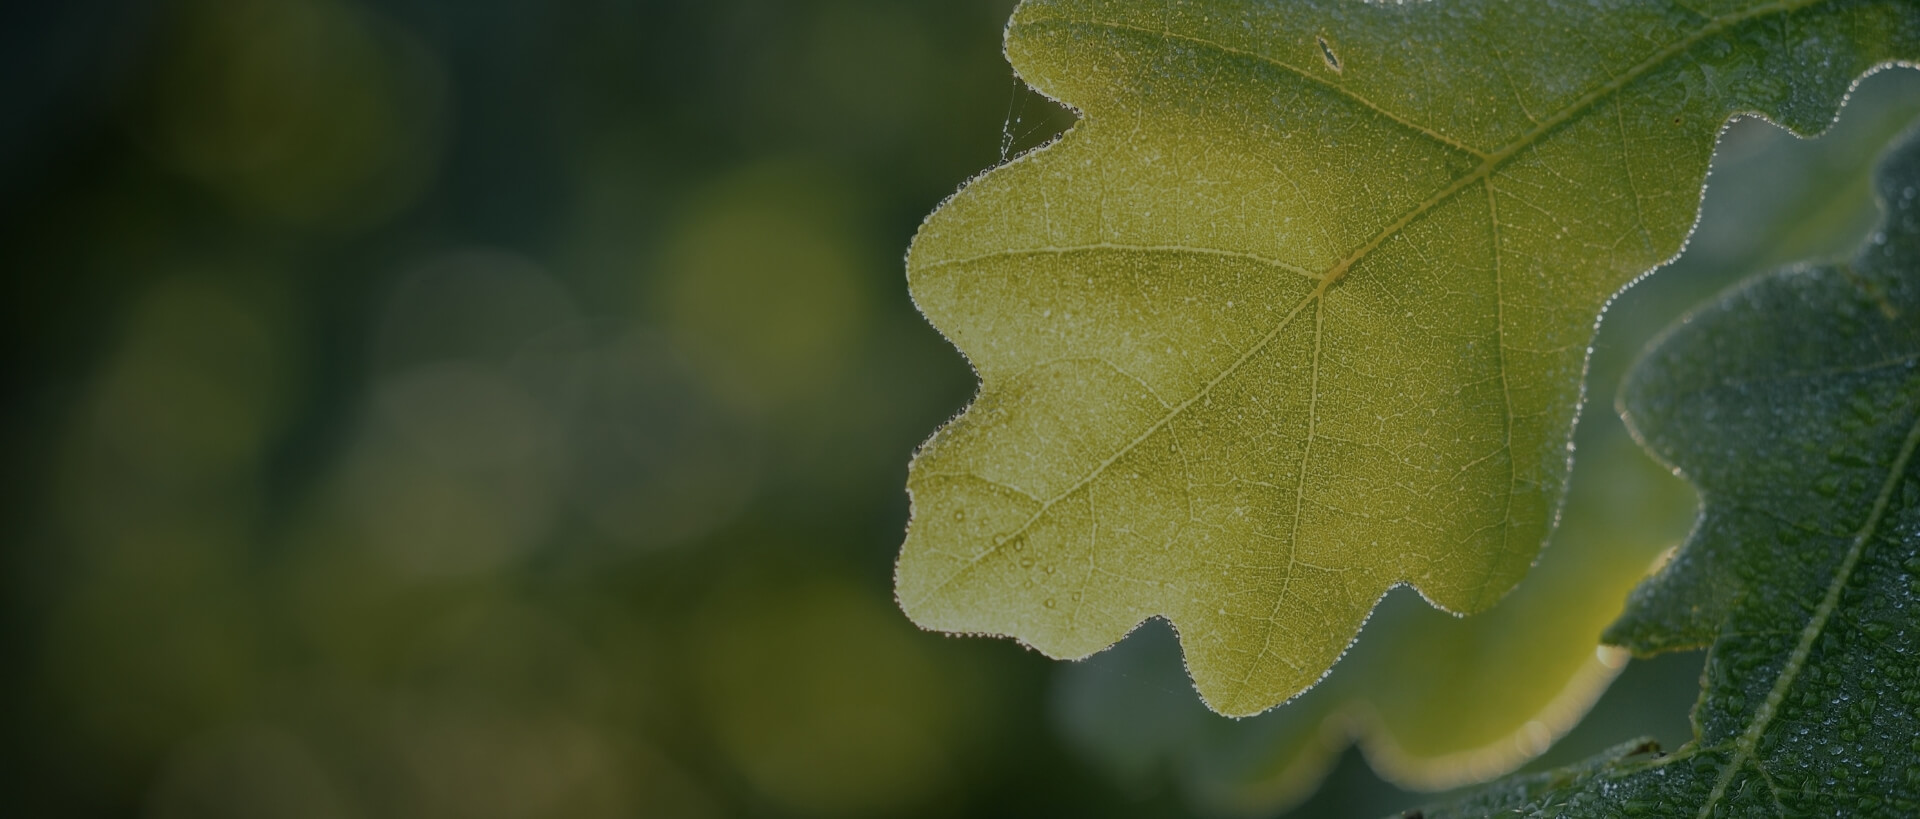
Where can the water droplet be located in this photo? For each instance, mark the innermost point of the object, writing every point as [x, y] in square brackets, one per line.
[959, 516]
[1026, 563]
[1049, 603]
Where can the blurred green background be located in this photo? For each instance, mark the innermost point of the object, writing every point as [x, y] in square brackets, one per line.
[493, 409]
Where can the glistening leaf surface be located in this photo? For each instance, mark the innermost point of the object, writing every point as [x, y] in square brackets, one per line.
[1793, 404]
[1298, 310]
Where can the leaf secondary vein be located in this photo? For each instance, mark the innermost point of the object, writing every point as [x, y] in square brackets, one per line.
[1500, 364]
[1334, 274]
[1061, 250]
[1299, 503]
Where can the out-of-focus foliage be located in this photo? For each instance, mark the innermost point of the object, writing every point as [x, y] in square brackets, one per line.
[1299, 311]
[1436, 700]
[443, 409]
[1793, 403]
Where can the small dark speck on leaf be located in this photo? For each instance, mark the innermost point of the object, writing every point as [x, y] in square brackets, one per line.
[1326, 52]
[1416, 813]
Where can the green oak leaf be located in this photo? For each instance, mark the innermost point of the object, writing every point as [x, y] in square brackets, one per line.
[1298, 310]
[1438, 701]
[1793, 405]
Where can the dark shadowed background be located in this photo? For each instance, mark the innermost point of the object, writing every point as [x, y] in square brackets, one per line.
[501, 409]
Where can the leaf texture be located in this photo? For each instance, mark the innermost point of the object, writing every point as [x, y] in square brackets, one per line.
[1298, 311]
[1793, 405]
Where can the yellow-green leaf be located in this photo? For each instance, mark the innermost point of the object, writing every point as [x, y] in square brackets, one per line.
[1298, 311]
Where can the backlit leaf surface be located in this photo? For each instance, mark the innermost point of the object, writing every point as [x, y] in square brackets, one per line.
[1298, 310]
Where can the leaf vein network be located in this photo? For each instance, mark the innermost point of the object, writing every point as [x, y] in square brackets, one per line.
[1332, 275]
